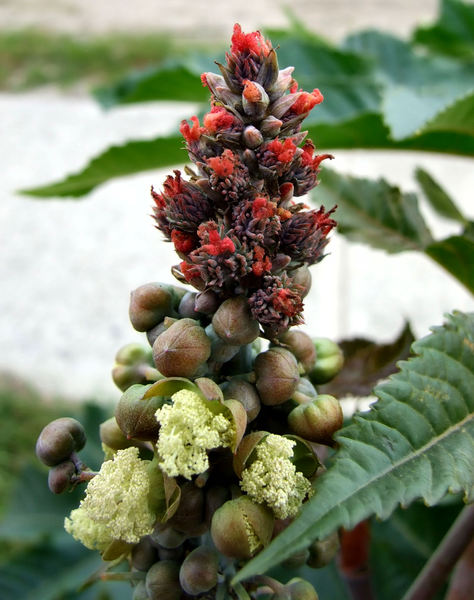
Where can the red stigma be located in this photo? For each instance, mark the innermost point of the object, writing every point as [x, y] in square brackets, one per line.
[191, 134]
[189, 271]
[249, 42]
[261, 264]
[183, 242]
[262, 208]
[306, 101]
[287, 302]
[284, 151]
[222, 165]
[251, 91]
[219, 118]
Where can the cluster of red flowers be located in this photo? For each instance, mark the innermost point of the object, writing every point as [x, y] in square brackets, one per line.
[235, 223]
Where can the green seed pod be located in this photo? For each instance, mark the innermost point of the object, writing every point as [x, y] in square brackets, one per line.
[305, 392]
[318, 420]
[246, 394]
[198, 573]
[240, 528]
[133, 354]
[233, 322]
[139, 592]
[329, 360]
[59, 477]
[189, 518]
[125, 376]
[322, 552]
[301, 346]
[59, 439]
[162, 581]
[182, 349]
[135, 415]
[144, 555]
[300, 589]
[277, 376]
[149, 304]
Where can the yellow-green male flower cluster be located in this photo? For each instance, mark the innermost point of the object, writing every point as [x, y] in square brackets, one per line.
[272, 478]
[116, 503]
[188, 429]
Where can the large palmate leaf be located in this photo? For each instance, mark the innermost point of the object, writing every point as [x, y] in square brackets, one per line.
[416, 442]
[374, 212]
[416, 88]
[453, 33]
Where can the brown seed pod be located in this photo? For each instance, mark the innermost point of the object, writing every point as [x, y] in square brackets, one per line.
[277, 376]
[149, 304]
[301, 346]
[233, 322]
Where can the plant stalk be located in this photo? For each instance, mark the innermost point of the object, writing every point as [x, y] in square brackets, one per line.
[439, 566]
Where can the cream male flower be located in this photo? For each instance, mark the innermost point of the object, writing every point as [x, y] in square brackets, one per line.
[188, 429]
[116, 505]
[272, 478]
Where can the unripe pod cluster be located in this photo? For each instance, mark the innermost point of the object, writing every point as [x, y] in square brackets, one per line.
[59, 439]
[182, 349]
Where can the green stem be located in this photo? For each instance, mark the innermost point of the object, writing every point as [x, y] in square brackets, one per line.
[437, 569]
[128, 576]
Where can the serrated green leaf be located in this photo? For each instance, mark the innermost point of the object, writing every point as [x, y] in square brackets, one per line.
[416, 442]
[453, 33]
[457, 117]
[438, 198]
[117, 161]
[456, 255]
[374, 212]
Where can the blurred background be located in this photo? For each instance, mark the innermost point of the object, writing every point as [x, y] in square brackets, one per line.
[68, 265]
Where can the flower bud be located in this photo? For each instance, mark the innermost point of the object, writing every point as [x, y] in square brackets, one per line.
[149, 304]
[322, 552]
[132, 354]
[270, 127]
[318, 420]
[300, 589]
[112, 436]
[139, 592]
[302, 278]
[198, 573]
[301, 346]
[255, 99]
[59, 477]
[189, 519]
[154, 332]
[59, 439]
[296, 560]
[167, 537]
[234, 323]
[277, 375]
[282, 83]
[252, 137]
[162, 581]
[329, 360]
[144, 554]
[182, 349]
[206, 302]
[240, 528]
[135, 415]
[186, 307]
[246, 394]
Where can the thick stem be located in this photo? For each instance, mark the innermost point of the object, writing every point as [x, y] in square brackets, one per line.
[437, 569]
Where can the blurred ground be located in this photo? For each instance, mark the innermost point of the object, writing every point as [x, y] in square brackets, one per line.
[68, 266]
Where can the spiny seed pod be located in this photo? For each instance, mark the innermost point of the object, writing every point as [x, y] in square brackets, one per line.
[277, 376]
[240, 528]
[318, 420]
[198, 573]
[149, 304]
[59, 439]
[139, 592]
[322, 552]
[59, 477]
[329, 360]
[144, 554]
[162, 581]
[233, 322]
[135, 414]
[246, 394]
[301, 346]
[300, 589]
[182, 349]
